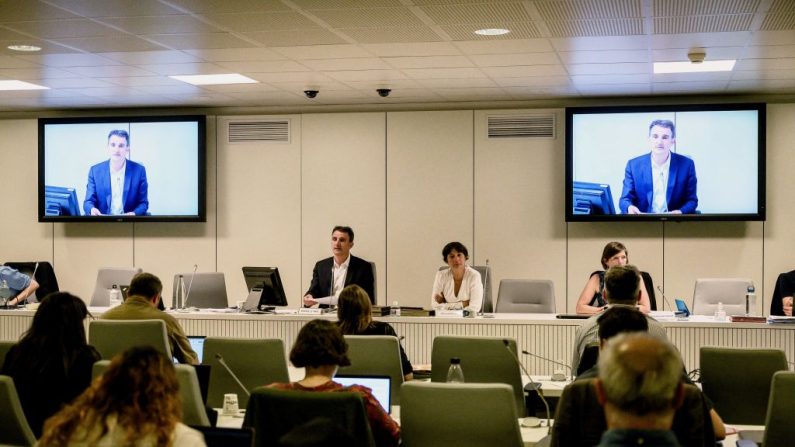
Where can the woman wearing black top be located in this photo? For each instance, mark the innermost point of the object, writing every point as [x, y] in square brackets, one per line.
[591, 299]
[354, 315]
[51, 364]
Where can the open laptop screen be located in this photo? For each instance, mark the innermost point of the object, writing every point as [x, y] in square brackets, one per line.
[379, 385]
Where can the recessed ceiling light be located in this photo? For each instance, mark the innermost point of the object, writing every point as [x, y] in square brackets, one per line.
[492, 31]
[20, 85]
[25, 48]
[216, 79]
[690, 67]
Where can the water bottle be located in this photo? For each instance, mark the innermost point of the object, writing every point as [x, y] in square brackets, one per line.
[180, 295]
[394, 311]
[5, 293]
[750, 299]
[720, 314]
[455, 374]
[114, 296]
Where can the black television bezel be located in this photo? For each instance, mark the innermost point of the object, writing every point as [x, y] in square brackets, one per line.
[760, 215]
[201, 129]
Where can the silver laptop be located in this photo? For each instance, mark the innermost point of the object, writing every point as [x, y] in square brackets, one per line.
[206, 291]
[379, 385]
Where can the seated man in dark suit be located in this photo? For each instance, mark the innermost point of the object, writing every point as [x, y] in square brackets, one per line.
[331, 275]
[117, 185]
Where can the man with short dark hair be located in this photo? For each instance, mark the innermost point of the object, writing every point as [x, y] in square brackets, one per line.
[143, 297]
[333, 274]
[117, 185]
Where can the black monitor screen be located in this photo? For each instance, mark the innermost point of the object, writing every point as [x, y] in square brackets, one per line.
[268, 279]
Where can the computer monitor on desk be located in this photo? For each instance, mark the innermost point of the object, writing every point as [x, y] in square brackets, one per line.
[264, 286]
[204, 290]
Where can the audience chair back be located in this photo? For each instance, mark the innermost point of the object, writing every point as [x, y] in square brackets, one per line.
[111, 337]
[106, 279]
[526, 296]
[42, 272]
[708, 292]
[226, 437]
[255, 362]
[647, 281]
[458, 415]
[590, 355]
[193, 411]
[483, 360]
[374, 298]
[738, 381]
[375, 355]
[273, 413]
[779, 429]
[15, 428]
[5, 346]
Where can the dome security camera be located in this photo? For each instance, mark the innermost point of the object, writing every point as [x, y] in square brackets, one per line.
[311, 93]
[383, 92]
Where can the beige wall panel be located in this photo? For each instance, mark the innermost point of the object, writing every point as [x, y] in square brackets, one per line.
[430, 192]
[644, 242]
[259, 207]
[519, 222]
[343, 178]
[168, 248]
[780, 225]
[22, 238]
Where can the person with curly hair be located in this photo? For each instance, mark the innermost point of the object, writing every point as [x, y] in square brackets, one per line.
[51, 364]
[136, 402]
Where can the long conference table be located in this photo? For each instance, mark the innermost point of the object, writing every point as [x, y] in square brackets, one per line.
[540, 334]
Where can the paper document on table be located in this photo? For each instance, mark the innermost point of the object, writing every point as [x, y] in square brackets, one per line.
[776, 319]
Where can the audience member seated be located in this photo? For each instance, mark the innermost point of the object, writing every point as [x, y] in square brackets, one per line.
[320, 348]
[458, 286]
[622, 288]
[592, 298]
[51, 364]
[135, 402]
[781, 303]
[22, 286]
[354, 313]
[143, 297]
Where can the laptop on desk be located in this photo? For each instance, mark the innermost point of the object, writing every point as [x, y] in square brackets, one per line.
[379, 385]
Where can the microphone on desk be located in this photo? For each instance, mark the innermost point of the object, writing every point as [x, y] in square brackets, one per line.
[220, 359]
[530, 421]
[190, 283]
[665, 298]
[557, 376]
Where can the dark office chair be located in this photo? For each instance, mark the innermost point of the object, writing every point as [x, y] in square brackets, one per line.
[785, 286]
[589, 358]
[649, 289]
[226, 437]
[44, 275]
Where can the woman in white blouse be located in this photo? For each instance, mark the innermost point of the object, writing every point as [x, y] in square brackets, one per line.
[459, 286]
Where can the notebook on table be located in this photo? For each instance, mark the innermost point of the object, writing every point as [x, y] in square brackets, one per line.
[379, 385]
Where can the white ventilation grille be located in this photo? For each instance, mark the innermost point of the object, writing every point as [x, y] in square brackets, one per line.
[270, 130]
[521, 126]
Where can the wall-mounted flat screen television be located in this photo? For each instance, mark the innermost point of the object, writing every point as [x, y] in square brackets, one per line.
[122, 169]
[658, 163]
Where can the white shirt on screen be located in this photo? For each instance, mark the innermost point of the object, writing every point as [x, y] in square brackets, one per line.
[117, 189]
[659, 203]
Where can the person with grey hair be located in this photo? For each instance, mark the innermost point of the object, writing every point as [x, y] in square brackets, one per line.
[640, 387]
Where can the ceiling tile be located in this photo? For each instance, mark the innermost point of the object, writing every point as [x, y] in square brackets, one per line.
[227, 6]
[429, 62]
[170, 24]
[317, 37]
[485, 12]
[366, 75]
[662, 41]
[368, 17]
[444, 73]
[614, 89]
[76, 83]
[689, 87]
[680, 54]
[518, 30]
[606, 69]
[235, 54]
[763, 75]
[505, 46]
[719, 76]
[525, 70]
[322, 52]
[261, 21]
[533, 81]
[142, 81]
[412, 49]
[596, 28]
[600, 80]
[346, 64]
[109, 71]
[263, 66]
[70, 60]
[601, 43]
[391, 34]
[113, 8]
[507, 60]
[29, 74]
[603, 57]
[773, 38]
[199, 41]
[185, 69]
[151, 57]
[457, 83]
[109, 44]
[28, 10]
[296, 76]
[770, 51]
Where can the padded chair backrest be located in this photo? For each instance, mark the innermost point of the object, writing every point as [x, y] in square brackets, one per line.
[375, 355]
[193, 411]
[485, 277]
[5, 346]
[458, 414]
[590, 355]
[42, 272]
[738, 381]
[255, 362]
[708, 292]
[374, 298]
[483, 360]
[526, 296]
[273, 413]
[779, 429]
[15, 428]
[111, 337]
[226, 437]
[647, 281]
[106, 278]
[580, 419]
[205, 290]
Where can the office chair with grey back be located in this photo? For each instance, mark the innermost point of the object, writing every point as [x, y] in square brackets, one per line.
[483, 360]
[15, 428]
[738, 381]
[708, 292]
[458, 414]
[106, 279]
[526, 296]
[111, 337]
[375, 355]
[204, 290]
[649, 283]
[254, 362]
[373, 299]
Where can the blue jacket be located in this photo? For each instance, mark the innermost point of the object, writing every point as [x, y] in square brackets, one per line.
[98, 191]
[639, 187]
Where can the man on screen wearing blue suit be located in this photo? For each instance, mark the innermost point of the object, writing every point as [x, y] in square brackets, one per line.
[661, 181]
[118, 185]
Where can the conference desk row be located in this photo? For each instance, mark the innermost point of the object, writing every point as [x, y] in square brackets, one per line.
[541, 334]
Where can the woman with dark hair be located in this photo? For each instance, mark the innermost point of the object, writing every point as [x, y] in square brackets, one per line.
[136, 402]
[592, 299]
[354, 313]
[458, 286]
[51, 364]
[320, 348]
